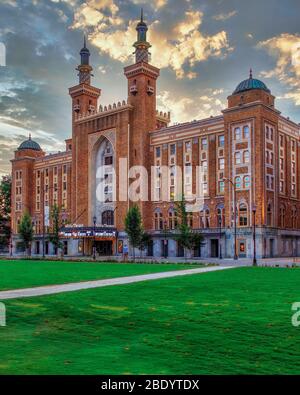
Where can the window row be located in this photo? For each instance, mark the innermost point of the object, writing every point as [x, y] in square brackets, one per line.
[242, 133]
[240, 158]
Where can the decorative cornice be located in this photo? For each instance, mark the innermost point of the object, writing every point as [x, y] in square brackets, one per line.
[141, 68]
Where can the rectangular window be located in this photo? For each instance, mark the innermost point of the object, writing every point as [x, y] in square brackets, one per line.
[172, 149]
[204, 144]
[108, 160]
[221, 140]
[188, 146]
[221, 164]
[221, 186]
[157, 152]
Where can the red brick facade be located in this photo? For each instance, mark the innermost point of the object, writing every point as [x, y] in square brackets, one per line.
[250, 144]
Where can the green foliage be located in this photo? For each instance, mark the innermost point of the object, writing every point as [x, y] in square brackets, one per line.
[56, 225]
[133, 227]
[25, 230]
[5, 208]
[185, 236]
[144, 241]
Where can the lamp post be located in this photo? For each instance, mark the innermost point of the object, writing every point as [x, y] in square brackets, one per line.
[220, 235]
[94, 241]
[235, 215]
[254, 235]
[165, 239]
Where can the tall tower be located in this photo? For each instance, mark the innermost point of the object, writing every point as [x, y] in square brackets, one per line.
[141, 78]
[84, 102]
[84, 96]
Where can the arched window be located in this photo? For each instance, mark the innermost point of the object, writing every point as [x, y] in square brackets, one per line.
[246, 132]
[246, 156]
[237, 158]
[294, 217]
[282, 216]
[108, 217]
[267, 133]
[269, 215]
[172, 219]
[237, 133]
[221, 216]
[205, 218]
[247, 182]
[158, 221]
[243, 215]
[238, 183]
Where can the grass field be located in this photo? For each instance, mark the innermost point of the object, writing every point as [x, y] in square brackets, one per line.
[230, 322]
[22, 273]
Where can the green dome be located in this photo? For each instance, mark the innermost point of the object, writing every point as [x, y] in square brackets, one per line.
[250, 84]
[30, 144]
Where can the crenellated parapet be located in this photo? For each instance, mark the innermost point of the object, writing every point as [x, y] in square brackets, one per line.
[103, 110]
[163, 116]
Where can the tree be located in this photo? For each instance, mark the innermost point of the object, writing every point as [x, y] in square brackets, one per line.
[56, 225]
[186, 237]
[26, 231]
[144, 241]
[5, 208]
[133, 227]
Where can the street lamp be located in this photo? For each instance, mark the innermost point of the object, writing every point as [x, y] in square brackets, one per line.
[94, 241]
[220, 234]
[165, 239]
[235, 214]
[254, 235]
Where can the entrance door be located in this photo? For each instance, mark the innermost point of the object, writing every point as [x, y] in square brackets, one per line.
[271, 248]
[150, 248]
[165, 248]
[104, 248]
[214, 248]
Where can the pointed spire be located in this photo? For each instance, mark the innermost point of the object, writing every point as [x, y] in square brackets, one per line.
[251, 74]
[29, 136]
[142, 15]
[84, 41]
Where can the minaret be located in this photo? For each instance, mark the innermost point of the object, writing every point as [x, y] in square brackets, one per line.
[84, 96]
[85, 70]
[141, 78]
[141, 45]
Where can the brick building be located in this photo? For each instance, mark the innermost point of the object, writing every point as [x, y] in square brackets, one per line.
[247, 156]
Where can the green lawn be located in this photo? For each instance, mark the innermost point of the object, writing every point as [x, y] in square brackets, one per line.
[24, 273]
[235, 321]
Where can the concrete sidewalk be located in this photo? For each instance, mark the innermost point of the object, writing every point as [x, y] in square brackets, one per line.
[55, 289]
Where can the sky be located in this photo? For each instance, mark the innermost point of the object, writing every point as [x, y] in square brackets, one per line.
[203, 47]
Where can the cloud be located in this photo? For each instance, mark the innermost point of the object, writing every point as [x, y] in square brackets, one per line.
[185, 109]
[181, 46]
[285, 48]
[224, 17]
[11, 136]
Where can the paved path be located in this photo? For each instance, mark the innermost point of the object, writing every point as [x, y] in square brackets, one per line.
[55, 289]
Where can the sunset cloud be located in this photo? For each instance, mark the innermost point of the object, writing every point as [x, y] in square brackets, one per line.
[185, 109]
[285, 48]
[183, 45]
